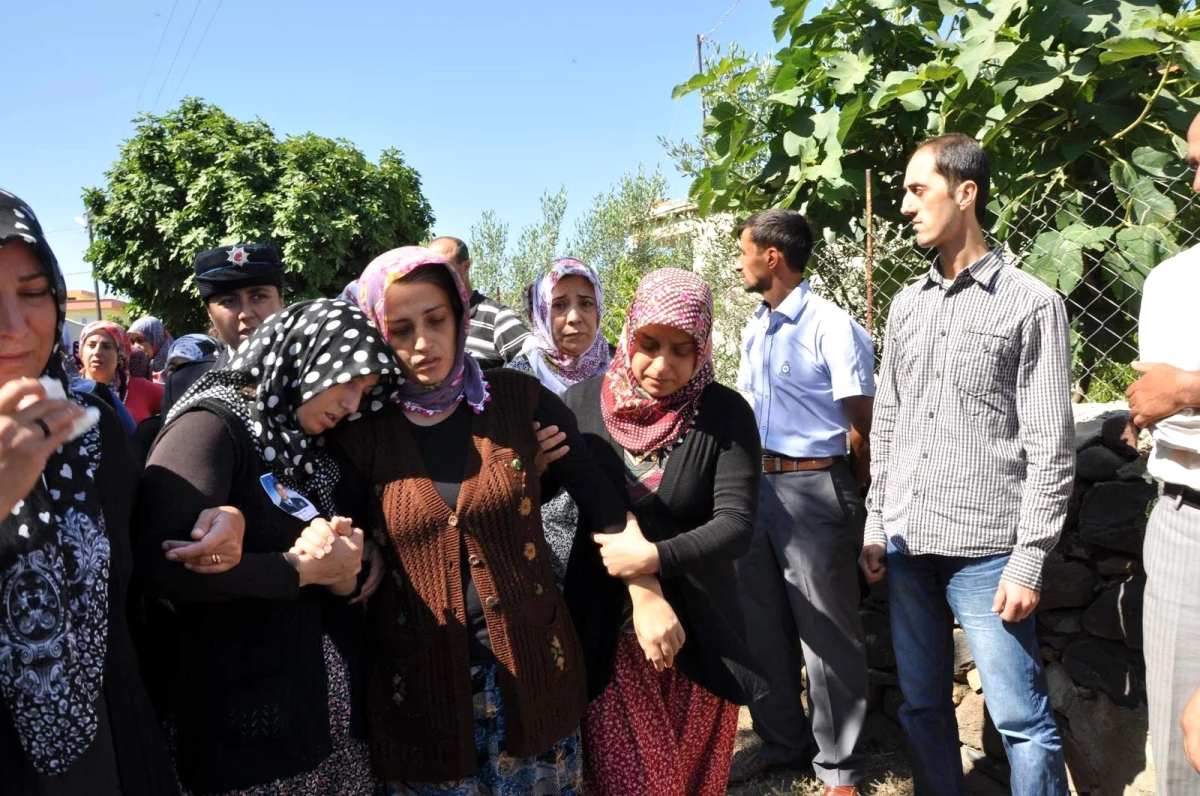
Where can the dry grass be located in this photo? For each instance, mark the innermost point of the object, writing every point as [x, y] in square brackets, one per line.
[887, 765]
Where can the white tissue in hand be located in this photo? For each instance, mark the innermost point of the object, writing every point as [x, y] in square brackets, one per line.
[54, 391]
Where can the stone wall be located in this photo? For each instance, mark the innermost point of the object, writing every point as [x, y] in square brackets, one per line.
[1089, 626]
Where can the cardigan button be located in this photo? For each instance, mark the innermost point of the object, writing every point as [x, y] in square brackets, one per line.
[491, 602]
[475, 561]
[453, 521]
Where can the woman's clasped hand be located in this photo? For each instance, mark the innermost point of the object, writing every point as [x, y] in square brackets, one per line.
[330, 553]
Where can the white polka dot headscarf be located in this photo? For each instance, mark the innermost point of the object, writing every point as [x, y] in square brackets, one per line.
[293, 356]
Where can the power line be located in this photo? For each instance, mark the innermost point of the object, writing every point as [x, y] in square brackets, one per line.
[154, 60]
[723, 18]
[178, 49]
[186, 69]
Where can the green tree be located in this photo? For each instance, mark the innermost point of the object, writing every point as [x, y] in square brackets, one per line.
[196, 178]
[621, 235]
[1080, 105]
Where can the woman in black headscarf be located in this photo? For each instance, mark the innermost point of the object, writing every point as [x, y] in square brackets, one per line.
[266, 698]
[74, 716]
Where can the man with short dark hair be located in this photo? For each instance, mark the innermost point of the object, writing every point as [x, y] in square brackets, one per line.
[1166, 400]
[241, 286]
[972, 462]
[807, 369]
[496, 333]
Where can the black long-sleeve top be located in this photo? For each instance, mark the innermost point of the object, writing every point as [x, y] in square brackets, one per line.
[249, 687]
[701, 519]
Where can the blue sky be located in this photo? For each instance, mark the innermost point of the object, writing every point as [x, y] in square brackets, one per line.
[492, 103]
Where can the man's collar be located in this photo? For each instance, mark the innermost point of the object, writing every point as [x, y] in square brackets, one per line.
[790, 306]
[983, 271]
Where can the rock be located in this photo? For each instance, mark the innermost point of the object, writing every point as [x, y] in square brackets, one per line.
[1133, 471]
[886, 677]
[963, 659]
[1120, 436]
[1109, 667]
[1098, 463]
[960, 693]
[1116, 565]
[976, 779]
[1062, 688]
[1048, 653]
[1063, 623]
[1054, 642]
[1113, 515]
[1069, 544]
[893, 698]
[1112, 741]
[1090, 417]
[1079, 770]
[1069, 585]
[971, 715]
[975, 680]
[877, 629]
[1117, 613]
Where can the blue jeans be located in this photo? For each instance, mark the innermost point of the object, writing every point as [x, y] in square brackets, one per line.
[926, 593]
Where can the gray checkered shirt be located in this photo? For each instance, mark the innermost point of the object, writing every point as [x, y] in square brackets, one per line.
[972, 445]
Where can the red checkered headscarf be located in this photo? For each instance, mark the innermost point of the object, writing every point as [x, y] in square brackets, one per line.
[637, 421]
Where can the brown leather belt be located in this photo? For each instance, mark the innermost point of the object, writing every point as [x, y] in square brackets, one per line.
[782, 464]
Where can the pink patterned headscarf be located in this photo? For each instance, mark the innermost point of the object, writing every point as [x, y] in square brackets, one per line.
[637, 421]
[555, 368]
[465, 381]
[120, 340]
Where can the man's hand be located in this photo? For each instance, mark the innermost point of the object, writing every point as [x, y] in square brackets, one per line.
[549, 451]
[218, 535]
[654, 623]
[1161, 391]
[873, 562]
[1014, 602]
[627, 554]
[1190, 721]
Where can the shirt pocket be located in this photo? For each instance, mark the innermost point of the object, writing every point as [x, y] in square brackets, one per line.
[984, 363]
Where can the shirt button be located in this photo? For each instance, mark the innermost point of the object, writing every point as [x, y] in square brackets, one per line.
[924, 455]
[452, 521]
[943, 332]
[931, 415]
[491, 602]
[475, 561]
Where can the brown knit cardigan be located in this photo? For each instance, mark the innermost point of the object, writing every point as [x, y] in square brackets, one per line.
[419, 698]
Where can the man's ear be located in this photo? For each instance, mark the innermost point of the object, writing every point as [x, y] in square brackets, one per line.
[966, 194]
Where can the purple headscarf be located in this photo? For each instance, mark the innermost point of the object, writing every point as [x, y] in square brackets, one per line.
[555, 368]
[465, 381]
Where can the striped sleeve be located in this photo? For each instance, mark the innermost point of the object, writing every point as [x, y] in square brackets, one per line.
[509, 333]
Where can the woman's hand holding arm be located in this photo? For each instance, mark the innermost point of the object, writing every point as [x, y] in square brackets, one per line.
[657, 627]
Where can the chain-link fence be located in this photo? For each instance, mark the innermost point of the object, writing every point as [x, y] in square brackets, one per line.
[1095, 246]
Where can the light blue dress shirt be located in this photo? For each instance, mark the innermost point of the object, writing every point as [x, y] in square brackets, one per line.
[797, 364]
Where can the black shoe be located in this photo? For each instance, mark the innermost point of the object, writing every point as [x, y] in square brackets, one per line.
[751, 765]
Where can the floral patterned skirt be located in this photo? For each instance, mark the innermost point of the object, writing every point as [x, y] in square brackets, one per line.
[347, 770]
[656, 733]
[558, 770]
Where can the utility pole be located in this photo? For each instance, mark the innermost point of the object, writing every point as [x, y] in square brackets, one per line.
[699, 69]
[95, 281]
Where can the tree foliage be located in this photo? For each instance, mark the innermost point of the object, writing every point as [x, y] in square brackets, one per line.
[1081, 105]
[620, 235]
[196, 178]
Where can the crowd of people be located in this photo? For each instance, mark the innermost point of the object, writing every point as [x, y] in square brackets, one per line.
[407, 541]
